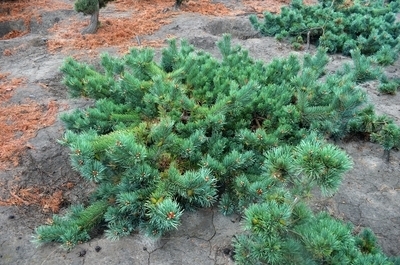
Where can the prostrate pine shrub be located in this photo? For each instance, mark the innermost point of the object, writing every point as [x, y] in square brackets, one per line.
[377, 128]
[338, 26]
[289, 233]
[388, 86]
[368, 28]
[194, 130]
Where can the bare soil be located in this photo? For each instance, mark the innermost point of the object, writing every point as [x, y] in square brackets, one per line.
[36, 179]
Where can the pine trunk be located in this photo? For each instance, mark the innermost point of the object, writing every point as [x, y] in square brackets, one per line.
[94, 21]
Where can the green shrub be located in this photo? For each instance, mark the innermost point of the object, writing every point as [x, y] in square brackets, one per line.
[338, 26]
[193, 130]
[388, 86]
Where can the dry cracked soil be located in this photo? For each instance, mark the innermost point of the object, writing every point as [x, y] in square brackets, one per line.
[369, 195]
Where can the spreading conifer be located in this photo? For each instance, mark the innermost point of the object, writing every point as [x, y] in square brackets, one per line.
[193, 130]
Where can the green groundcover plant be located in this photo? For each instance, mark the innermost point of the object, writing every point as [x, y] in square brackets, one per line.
[193, 131]
[338, 26]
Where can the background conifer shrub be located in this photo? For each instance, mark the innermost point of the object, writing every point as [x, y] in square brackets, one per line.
[192, 130]
[338, 26]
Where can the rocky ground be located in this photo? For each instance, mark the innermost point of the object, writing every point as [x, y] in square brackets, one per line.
[368, 197]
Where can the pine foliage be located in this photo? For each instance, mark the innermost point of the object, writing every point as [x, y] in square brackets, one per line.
[194, 130]
[88, 7]
[338, 26]
[377, 128]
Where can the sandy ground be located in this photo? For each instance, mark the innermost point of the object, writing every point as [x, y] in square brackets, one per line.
[368, 197]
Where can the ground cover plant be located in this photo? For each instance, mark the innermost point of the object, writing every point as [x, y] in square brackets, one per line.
[192, 130]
